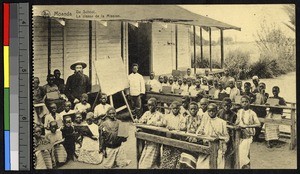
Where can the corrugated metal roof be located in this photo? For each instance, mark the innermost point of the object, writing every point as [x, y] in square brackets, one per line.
[140, 13]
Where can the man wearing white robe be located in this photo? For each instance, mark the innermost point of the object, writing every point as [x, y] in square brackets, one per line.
[136, 89]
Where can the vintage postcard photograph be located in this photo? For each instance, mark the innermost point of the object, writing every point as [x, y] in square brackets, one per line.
[164, 86]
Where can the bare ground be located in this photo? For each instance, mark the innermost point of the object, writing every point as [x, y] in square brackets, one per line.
[261, 156]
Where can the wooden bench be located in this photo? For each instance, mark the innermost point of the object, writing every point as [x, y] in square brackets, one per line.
[211, 148]
[169, 98]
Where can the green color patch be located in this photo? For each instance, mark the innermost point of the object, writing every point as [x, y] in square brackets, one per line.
[6, 109]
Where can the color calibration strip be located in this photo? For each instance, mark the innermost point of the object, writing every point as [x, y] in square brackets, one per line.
[14, 85]
[6, 30]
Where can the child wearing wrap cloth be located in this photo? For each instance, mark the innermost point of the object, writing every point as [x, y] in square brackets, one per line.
[110, 142]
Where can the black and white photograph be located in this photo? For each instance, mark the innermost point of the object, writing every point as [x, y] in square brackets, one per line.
[164, 86]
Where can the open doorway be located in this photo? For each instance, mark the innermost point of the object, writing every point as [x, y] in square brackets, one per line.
[139, 47]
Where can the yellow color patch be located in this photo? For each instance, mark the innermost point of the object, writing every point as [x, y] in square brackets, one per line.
[6, 66]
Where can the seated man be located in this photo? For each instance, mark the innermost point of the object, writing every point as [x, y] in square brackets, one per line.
[38, 97]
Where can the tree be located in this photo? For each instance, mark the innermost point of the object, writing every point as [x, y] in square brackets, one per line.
[290, 10]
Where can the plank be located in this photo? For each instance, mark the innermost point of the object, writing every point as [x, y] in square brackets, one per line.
[173, 142]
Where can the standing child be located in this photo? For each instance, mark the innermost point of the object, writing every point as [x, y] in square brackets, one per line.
[187, 158]
[272, 130]
[110, 142]
[68, 134]
[229, 116]
[248, 121]
[173, 121]
[150, 155]
[55, 137]
[213, 126]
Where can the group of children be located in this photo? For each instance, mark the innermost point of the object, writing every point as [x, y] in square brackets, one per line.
[79, 135]
[208, 120]
[216, 88]
[201, 118]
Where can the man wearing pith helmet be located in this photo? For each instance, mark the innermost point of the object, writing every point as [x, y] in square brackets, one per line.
[77, 83]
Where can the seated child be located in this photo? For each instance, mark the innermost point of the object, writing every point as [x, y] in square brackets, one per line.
[67, 109]
[150, 155]
[42, 156]
[232, 90]
[239, 85]
[89, 151]
[173, 121]
[55, 137]
[161, 82]
[247, 120]
[272, 130]
[110, 143]
[83, 107]
[52, 116]
[247, 91]
[153, 83]
[184, 109]
[101, 109]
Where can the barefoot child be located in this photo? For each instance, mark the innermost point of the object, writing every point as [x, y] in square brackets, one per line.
[247, 120]
[271, 130]
[110, 143]
[68, 134]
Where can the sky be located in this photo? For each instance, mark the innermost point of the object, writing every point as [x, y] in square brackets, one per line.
[247, 17]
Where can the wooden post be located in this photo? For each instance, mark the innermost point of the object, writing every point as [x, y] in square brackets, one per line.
[222, 47]
[201, 44]
[176, 46]
[210, 65]
[111, 100]
[139, 149]
[194, 31]
[213, 157]
[293, 127]
[236, 145]
[49, 46]
[127, 105]
[90, 48]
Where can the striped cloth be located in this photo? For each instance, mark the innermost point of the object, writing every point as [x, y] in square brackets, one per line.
[272, 130]
[39, 161]
[60, 153]
[150, 156]
[115, 156]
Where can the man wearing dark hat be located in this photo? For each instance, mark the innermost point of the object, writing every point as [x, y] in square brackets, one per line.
[77, 83]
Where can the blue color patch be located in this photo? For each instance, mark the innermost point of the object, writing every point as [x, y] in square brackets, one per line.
[7, 150]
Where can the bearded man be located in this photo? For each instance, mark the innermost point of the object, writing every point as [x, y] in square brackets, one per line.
[77, 83]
